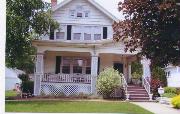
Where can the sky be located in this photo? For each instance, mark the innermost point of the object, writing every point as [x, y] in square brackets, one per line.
[110, 5]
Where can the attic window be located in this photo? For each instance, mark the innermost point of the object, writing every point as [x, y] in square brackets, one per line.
[86, 13]
[79, 14]
[72, 13]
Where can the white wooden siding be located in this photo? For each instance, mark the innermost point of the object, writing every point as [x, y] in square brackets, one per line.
[62, 15]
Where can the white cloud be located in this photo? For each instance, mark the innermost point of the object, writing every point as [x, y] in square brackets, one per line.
[110, 5]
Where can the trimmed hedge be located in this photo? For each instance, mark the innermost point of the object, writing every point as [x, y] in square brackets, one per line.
[169, 95]
[176, 102]
[170, 90]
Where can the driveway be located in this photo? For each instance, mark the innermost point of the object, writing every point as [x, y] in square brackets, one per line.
[158, 108]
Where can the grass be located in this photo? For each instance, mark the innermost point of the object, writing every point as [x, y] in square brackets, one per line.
[74, 106]
[10, 93]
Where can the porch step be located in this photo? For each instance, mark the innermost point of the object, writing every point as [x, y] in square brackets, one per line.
[137, 93]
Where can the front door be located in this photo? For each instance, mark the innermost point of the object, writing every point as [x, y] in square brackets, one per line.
[119, 67]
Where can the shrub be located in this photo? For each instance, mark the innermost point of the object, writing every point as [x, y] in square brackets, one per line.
[170, 90]
[155, 84]
[108, 80]
[176, 101]
[169, 95]
[178, 91]
[159, 74]
[27, 86]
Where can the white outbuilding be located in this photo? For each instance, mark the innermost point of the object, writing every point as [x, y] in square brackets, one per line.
[11, 78]
[173, 76]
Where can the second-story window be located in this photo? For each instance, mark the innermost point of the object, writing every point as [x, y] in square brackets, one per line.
[87, 36]
[97, 36]
[97, 31]
[77, 36]
[60, 35]
[87, 32]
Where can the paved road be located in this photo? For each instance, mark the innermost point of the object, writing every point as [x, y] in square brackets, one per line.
[158, 108]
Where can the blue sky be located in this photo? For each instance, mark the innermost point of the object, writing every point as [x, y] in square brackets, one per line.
[110, 5]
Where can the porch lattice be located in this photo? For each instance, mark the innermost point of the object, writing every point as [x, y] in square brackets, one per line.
[64, 89]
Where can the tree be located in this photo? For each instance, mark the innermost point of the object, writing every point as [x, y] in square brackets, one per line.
[25, 20]
[153, 26]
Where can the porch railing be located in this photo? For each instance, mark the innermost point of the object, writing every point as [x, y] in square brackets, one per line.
[66, 78]
[125, 85]
[147, 86]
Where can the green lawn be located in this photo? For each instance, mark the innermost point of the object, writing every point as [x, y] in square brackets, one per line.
[10, 93]
[74, 106]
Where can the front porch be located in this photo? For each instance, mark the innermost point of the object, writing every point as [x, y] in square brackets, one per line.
[75, 72]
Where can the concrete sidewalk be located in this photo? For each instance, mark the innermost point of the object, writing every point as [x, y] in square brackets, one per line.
[157, 108]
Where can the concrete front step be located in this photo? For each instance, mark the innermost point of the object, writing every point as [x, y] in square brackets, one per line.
[139, 95]
[137, 92]
[147, 98]
[133, 89]
[142, 101]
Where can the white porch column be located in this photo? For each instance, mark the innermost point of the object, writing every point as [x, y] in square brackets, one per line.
[39, 72]
[94, 72]
[146, 67]
[129, 72]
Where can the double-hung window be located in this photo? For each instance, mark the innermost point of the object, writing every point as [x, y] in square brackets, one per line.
[66, 65]
[87, 33]
[77, 32]
[97, 33]
[86, 14]
[72, 13]
[60, 35]
[77, 65]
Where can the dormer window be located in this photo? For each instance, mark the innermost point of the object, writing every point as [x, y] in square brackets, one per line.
[72, 13]
[79, 14]
[86, 14]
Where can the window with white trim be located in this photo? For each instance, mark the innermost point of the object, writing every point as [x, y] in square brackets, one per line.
[77, 36]
[88, 66]
[60, 35]
[66, 65]
[79, 14]
[97, 36]
[86, 14]
[87, 36]
[72, 13]
[75, 65]
[79, 11]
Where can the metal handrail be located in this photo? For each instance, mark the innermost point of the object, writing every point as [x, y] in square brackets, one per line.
[147, 87]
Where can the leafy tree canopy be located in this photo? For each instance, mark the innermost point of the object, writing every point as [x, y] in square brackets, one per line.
[25, 20]
[153, 26]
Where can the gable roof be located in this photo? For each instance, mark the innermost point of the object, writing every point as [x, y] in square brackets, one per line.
[93, 3]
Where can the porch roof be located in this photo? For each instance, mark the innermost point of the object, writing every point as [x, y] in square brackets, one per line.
[67, 43]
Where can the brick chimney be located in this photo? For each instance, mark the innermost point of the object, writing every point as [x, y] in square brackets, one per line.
[53, 3]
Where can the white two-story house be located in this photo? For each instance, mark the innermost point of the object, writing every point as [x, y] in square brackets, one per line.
[69, 59]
